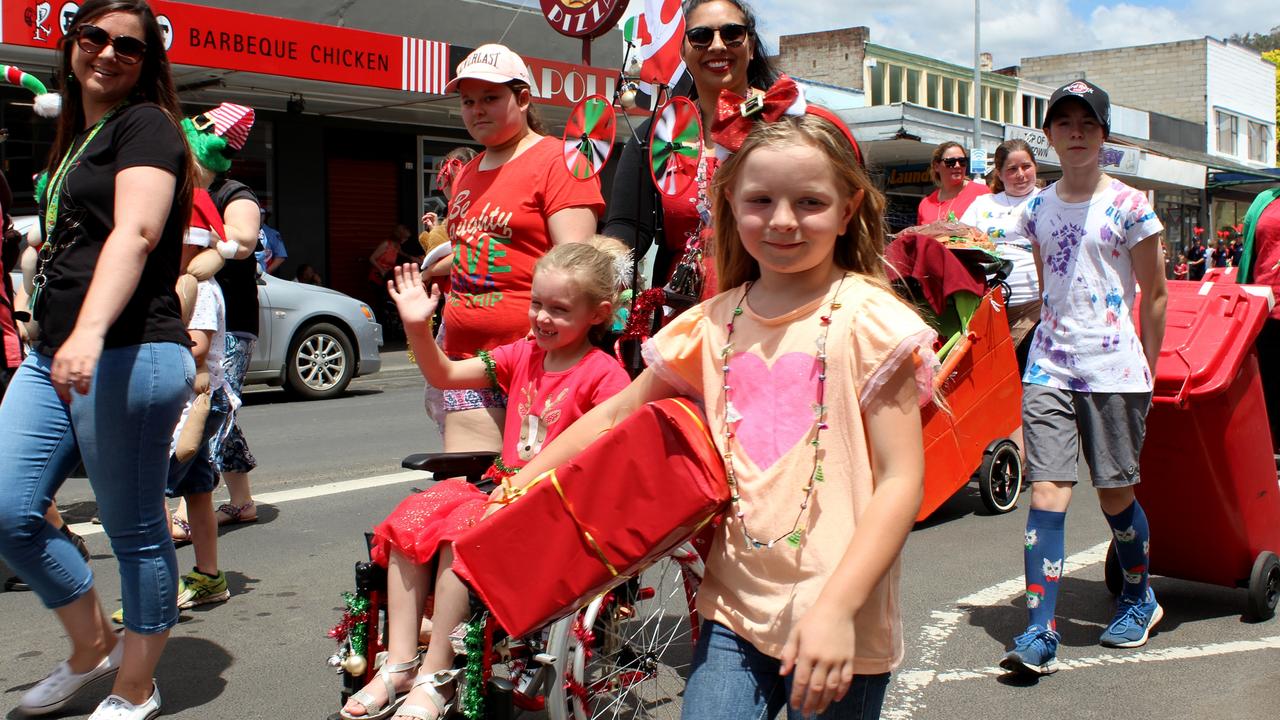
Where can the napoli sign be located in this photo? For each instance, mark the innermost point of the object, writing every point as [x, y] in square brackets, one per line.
[583, 18]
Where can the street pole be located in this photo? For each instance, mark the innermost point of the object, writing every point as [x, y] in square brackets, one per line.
[977, 77]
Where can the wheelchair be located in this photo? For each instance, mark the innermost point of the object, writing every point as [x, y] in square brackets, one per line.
[626, 653]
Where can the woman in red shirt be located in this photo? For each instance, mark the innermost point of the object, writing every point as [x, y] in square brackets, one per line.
[950, 172]
[510, 205]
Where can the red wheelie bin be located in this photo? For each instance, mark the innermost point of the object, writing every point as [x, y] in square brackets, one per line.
[1209, 484]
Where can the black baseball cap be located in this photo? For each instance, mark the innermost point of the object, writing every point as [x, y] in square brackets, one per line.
[1094, 97]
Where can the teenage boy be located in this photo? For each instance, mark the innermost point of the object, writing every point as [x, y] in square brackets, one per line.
[1088, 380]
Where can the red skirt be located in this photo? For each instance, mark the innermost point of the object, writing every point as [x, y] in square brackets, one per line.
[423, 521]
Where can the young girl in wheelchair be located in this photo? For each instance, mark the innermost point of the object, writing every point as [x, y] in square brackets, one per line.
[812, 373]
[552, 377]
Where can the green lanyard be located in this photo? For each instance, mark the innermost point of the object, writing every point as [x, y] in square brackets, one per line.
[53, 202]
[60, 175]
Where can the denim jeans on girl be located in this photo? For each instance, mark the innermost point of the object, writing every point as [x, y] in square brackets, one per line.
[733, 680]
[122, 430]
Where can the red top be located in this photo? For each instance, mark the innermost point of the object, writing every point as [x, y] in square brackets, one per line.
[542, 404]
[1266, 240]
[498, 227]
[931, 210]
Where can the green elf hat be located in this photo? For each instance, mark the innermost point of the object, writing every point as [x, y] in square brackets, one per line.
[217, 135]
[48, 104]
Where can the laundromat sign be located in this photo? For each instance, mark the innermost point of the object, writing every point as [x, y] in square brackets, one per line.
[232, 40]
[1117, 158]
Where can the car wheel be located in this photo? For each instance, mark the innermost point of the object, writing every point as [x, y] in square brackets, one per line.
[320, 363]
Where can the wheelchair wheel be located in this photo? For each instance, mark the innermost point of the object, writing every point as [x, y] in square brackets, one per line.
[628, 653]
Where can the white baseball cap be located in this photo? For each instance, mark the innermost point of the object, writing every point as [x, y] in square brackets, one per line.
[491, 63]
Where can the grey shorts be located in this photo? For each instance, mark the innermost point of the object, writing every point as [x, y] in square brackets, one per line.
[1107, 429]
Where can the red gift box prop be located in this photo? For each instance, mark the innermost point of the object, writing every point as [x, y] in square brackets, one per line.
[635, 494]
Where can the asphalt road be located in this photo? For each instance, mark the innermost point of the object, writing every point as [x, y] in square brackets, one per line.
[329, 470]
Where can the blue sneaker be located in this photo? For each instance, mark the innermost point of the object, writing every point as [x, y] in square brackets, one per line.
[1035, 652]
[1133, 622]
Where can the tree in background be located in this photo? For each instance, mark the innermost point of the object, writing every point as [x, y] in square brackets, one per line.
[1273, 56]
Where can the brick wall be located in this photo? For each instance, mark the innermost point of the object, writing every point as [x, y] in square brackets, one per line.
[833, 57]
[1169, 78]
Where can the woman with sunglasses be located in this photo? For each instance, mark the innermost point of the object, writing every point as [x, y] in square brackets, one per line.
[950, 172]
[722, 52]
[111, 372]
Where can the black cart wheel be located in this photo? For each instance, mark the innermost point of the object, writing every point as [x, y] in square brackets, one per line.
[1000, 476]
[1111, 573]
[1264, 586]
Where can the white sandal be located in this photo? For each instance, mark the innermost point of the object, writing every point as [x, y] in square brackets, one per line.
[429, 683]
[372, 709]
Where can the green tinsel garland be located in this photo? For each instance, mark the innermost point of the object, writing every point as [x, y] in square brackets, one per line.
[473, 676]
[358, 607]
[490, 369]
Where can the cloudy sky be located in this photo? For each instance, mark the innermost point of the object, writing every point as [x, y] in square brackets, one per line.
[1012, 29]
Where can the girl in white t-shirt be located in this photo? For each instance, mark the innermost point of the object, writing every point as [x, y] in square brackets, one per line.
[1013, 184]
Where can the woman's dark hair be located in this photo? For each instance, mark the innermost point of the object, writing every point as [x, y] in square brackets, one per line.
[760, 70]
[531, 116]
[155, 85]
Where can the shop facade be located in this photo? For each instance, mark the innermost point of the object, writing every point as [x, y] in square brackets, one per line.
[352, 119]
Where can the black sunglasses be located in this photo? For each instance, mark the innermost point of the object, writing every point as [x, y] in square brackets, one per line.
[92, 39]
[953, 162]
[731, 34]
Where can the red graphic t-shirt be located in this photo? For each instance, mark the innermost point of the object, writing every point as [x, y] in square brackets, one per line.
[498, 227]
[542, 404]
[931, 209]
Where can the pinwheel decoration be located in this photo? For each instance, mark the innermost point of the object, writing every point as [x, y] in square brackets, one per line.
[588, 137]
[675, 146]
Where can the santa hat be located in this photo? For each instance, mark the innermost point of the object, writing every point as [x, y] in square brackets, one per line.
[217, 135]
[206, 227]
[48, 104]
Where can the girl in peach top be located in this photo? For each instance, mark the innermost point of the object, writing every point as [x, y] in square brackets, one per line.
[812, 373]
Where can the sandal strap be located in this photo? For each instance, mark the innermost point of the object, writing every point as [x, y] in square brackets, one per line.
[429, 684]
[370, 703]
[401, 667]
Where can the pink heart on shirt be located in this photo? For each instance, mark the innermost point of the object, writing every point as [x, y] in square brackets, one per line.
[776, 403]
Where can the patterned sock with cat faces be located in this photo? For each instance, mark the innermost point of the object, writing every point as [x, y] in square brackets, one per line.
[1133, 547]
[1045, 540]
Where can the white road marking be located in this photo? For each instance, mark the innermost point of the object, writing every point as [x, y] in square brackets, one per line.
[910, 684]
[306, 493]
[1156, 655]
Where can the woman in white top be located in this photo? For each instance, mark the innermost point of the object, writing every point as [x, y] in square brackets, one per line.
[1013, 183]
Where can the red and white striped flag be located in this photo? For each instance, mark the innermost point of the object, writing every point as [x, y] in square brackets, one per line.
[659, 35]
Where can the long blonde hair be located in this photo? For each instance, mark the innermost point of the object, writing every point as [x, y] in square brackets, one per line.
[600, 268]
[858, 249]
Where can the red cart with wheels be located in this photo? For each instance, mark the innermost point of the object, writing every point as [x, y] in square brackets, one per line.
[1209, 484]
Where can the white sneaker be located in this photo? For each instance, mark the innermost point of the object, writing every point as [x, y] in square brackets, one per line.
[56, 690]
[117, 708]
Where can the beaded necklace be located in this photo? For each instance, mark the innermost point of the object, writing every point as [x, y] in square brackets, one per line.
[732, 417]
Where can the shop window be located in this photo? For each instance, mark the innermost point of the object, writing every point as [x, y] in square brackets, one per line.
[1228, 132]
[253, 165]
[895, 83]
[877, 84]
[964, 92]
[913, 86]
[1258, 142]
[933, 85]
[1006, 100]
[949, 94]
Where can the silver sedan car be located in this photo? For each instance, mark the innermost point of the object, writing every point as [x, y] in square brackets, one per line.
[312, 340]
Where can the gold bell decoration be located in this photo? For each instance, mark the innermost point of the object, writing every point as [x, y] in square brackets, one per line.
[355, 665]
[628, 97]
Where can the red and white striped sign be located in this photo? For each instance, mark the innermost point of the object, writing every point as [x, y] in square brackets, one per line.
[424, 65]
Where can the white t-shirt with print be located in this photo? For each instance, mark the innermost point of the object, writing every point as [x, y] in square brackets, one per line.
[210, 314]
[1086, 340]
[997, 216]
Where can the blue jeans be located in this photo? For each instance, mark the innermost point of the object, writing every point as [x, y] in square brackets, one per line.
[122, 430]
[733, 680]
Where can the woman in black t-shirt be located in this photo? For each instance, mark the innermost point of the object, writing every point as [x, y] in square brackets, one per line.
[111, 372]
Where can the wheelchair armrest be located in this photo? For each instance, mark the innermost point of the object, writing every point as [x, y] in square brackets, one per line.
[470, 465]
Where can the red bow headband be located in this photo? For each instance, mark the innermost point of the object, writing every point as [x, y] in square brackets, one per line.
[447, 173]
[735, 115]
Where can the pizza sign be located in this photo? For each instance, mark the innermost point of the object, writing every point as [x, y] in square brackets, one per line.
[583, 18]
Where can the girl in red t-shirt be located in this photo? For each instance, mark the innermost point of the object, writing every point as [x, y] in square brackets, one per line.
[511, 204]
[556, 375]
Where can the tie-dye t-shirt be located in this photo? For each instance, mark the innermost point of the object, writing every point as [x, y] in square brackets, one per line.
[1086, 340]
[997, 216]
